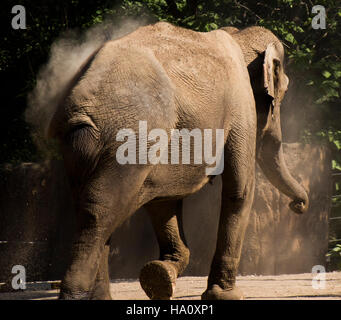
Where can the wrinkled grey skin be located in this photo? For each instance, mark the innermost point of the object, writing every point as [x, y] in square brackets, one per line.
[172, 78]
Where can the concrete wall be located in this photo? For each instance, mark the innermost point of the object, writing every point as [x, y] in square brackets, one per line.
[36, 223]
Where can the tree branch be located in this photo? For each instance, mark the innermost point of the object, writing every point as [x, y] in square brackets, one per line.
[247, 9]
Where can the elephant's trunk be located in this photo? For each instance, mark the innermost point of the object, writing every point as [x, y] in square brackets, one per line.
[271, 160]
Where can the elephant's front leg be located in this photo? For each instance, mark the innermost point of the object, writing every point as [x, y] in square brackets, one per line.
[158, 277]
[237, 198]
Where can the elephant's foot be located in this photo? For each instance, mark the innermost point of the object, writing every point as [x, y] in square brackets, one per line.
[157, 279]
[101, 292]
[74, 296]
[217, 293]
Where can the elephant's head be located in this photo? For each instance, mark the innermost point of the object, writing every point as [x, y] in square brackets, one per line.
[264, 55]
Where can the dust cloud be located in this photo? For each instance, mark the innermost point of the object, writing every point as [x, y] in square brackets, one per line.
[67, 55]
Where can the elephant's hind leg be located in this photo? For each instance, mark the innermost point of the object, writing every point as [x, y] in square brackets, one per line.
[101, 289]
[157, 278]
[99, 211]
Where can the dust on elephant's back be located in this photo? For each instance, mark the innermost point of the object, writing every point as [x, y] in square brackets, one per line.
[118, 87]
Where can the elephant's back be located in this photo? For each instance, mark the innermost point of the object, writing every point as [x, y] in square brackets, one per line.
[157, 72]
[125, 84]
[203, 68]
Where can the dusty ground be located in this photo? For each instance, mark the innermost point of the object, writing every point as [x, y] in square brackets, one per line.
[287, 287]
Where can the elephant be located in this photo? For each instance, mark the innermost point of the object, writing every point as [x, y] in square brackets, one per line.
[170, 78]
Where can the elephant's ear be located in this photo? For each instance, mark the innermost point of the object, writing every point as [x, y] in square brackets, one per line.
[275, 80]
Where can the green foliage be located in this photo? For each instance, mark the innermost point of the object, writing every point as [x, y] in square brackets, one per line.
[335, 251]
[334, 255]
